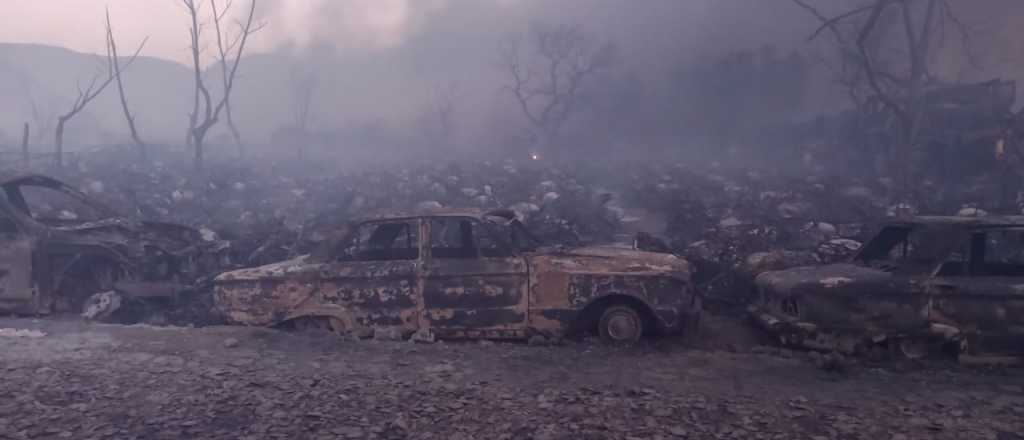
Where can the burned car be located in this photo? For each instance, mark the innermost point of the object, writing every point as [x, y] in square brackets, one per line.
[920, 286]
[463, 274]
[59, 247]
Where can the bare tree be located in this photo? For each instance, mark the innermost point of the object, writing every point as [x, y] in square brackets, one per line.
[43, 120]
[24, 146]
[846, 66]
[897, 85]
[303, 85]
[223, 49]
[85, 96]
[547, 81]
[438, 116]
[200, 124]
[115, 66]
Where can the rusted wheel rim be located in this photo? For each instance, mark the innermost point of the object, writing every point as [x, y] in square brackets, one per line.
[913, 348]
[791, 307]
[320, 323]
[623, 327]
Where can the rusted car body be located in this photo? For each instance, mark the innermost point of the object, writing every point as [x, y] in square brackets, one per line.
[920, 285]
[464, 274]
[58, 247]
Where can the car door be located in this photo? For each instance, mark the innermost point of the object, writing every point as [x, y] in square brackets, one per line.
[16, 293]
[985, 300]
[374, 276]
[474, 284]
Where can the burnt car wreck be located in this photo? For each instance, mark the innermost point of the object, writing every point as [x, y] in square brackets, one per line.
[60, 248]
[463, 274]
[921, 286]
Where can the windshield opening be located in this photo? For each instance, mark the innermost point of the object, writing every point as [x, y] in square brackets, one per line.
[908, 248]
[53, 206]
[513, 232]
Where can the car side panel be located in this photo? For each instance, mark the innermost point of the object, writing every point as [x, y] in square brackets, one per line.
[376, 294]
[562, 287]
[16, 287]
[476, 297]
[882, 309]
[362, 294]
[989, 311]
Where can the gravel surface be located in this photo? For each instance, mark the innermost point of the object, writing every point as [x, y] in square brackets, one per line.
[90, 381]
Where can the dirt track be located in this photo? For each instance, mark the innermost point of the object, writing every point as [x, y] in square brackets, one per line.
[84, 381]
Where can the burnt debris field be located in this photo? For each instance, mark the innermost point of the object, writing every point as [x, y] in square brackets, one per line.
[512, 220]
[177, 370]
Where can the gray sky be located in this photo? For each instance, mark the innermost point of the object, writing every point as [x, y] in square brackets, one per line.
[384, 56]
[381, 24]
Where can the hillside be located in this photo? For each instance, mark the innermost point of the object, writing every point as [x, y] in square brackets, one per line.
[39, 82]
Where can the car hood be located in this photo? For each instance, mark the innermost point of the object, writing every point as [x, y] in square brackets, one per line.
[123, 232]
[281, 269]
[593, 259]
[613, 259]
[833, 278]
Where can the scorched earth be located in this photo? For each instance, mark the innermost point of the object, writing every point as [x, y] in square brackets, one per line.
[68, 379]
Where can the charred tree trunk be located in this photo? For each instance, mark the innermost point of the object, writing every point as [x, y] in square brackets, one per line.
[235, 134]
[58, 144]
[85, 96]
[199, 125]
[198, 145]
[188, 130]
[24, 146]
[115, 65]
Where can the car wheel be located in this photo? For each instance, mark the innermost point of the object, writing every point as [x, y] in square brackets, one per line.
[327, 324]
[620, 325]
[913, 348]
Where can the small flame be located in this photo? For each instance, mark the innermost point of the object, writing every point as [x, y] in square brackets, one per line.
[534, 156]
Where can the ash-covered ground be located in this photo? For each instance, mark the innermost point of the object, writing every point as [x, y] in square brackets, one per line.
[66, 379]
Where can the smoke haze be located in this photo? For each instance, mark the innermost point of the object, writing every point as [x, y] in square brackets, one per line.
[376, 66]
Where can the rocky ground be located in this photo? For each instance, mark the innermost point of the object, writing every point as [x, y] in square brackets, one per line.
[68, 379]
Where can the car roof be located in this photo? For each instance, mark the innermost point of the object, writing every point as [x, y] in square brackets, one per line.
[960, 221]
[476, 213]
[30, 179]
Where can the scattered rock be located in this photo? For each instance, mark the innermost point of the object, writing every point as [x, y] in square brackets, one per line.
[538, 341]
[387, 334]
[971, 212]
[759, 262]
[20, 333]
[428, 205]
[439, 369]
[231, 342]
[101, 306]
[730, 222]
[423, 336]
[839, 249]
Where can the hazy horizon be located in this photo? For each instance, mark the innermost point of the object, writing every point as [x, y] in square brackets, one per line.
[377, 64]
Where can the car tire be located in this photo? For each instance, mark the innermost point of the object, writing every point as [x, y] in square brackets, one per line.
[320, 324]
[620, 325]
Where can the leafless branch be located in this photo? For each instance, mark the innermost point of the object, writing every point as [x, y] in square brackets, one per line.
[829, 23]
[566, 58]
[826, 22]
[868, 63]
[963, 30]
[85, 96]
[198, 128]
[114, 64]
